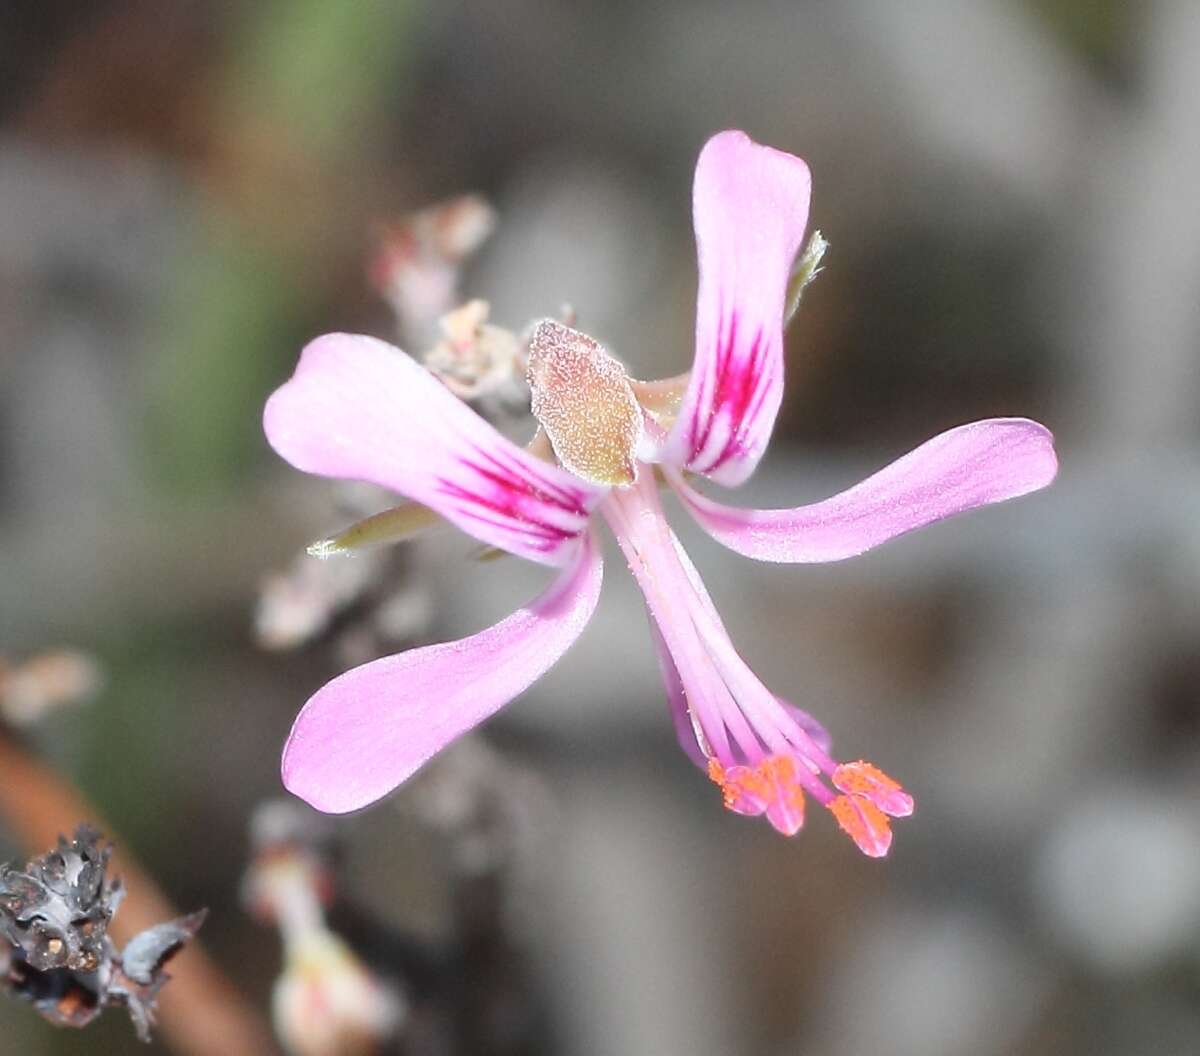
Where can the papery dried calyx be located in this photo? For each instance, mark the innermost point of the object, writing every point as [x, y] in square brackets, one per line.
[55, 951]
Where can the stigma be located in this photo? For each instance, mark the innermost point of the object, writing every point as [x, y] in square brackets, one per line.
[765, 755]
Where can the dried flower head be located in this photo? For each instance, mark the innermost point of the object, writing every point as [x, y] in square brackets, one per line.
[54, 946]
[475, 358]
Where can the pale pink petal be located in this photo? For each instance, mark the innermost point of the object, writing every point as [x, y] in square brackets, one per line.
[359, 409]
[365, 732]
[750, 207]
[967, 467]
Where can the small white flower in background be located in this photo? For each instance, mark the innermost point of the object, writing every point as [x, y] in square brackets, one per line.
[46, 682]
[416, 267]
[326, 1002]
[298, 604]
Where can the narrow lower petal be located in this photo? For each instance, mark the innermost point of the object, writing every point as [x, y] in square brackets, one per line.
[365, 732]
[359, 409]
[967, 467]
[750, 208]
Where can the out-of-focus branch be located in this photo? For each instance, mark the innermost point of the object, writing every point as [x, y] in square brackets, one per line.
[1134, 322]
[201, 1013]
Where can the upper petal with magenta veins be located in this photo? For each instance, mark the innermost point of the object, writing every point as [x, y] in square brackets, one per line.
[359, 409]
[750, 206]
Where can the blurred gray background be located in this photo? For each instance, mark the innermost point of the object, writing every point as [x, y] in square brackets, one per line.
[187, 193]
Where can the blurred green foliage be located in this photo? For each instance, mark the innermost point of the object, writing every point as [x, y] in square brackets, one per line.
[304, 83]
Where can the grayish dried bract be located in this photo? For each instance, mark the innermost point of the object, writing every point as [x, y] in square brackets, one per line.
[137, 975]
[475, 358]
[144, 954]
[583, 399]
[54, 946]
[57, 911]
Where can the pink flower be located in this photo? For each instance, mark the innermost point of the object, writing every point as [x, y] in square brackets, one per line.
[357, 408]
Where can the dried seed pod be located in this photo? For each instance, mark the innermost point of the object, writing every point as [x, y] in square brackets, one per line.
[55, 951]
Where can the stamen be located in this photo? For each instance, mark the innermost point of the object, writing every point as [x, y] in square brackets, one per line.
[864, 823]
[763, 754]
[769, 788]
[864, 779]
[786, 812]
[745, 789]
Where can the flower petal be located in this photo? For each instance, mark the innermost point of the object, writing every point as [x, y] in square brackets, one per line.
[750, 207]
[362, 734]
[359, 409]
[973, 465]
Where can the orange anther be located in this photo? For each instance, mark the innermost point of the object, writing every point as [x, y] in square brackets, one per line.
[786, 809]
[867, 780]
[864, 823]
[770, 787]
[781, 768]
[747, 790]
